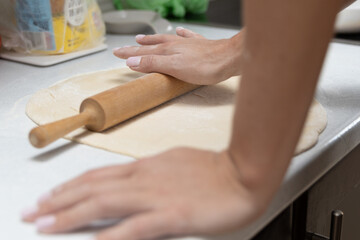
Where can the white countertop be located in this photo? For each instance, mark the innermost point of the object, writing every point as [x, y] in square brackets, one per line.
[26, 172]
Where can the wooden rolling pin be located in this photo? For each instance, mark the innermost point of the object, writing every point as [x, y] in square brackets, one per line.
[113, 106]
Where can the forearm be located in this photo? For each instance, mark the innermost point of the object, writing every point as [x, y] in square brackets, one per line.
[236, 44]
[284, 51]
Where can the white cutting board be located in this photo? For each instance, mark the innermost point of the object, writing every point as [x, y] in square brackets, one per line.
[48, 60]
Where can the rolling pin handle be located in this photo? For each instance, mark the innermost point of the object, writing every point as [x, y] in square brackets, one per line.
[44, 135]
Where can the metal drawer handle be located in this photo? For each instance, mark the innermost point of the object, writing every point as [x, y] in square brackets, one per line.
[335, 228]
[336, 225]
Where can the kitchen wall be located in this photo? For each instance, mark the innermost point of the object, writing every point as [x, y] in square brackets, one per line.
[226, 12]
[220, 12]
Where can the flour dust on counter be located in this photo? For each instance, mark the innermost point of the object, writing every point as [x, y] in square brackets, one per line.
[200, 119]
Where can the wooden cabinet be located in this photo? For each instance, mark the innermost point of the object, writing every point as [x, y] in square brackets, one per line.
[338, 189]
[309, 217]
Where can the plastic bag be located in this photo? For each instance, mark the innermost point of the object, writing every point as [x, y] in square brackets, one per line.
[50, 26]
[177, 8]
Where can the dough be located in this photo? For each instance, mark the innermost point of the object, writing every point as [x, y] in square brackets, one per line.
[200, 119]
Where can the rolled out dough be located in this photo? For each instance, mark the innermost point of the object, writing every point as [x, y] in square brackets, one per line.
[200, 119]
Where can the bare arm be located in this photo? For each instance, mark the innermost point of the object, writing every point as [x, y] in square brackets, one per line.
[189, 56]
[285, 45]
[188, 191]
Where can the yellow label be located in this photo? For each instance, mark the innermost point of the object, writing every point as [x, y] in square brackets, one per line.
[75, 32]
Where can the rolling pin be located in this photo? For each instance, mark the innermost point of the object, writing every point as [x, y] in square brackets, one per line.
[108, 108]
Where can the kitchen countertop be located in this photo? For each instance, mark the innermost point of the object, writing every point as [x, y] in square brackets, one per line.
[26, 172]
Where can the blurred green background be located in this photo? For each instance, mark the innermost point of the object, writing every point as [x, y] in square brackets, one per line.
[225, 13]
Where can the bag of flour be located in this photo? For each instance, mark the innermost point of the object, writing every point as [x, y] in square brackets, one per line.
[50, 26]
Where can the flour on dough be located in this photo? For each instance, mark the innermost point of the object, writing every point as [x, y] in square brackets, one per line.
[201, 119]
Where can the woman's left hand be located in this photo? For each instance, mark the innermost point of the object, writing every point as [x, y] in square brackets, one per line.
[180, 192]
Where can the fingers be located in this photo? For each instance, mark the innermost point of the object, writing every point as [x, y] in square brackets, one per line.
[186, 33]
[150, 225]
[126, 52]
[111, 172]
[87, 184]
[98, 207]
[158, 44]
[153, 63]
[72, 196]
[155, 39]
[163, 38]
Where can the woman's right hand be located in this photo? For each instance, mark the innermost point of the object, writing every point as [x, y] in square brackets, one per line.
[187, 56]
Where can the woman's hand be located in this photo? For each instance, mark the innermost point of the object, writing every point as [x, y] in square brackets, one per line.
[187, 56]
[180, 192]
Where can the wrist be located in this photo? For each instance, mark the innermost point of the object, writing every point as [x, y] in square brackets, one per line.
[257, 179]
[230, 53]
[258, 198]
[250, 176]
[236, 45]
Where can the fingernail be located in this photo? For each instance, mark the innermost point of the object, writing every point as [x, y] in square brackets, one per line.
[45, 197]
[119, 48]
[58, 189]
[180, 28]
[133, 61]
[139, 36]
[29, 212]
[115, 49]
[45, 222]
